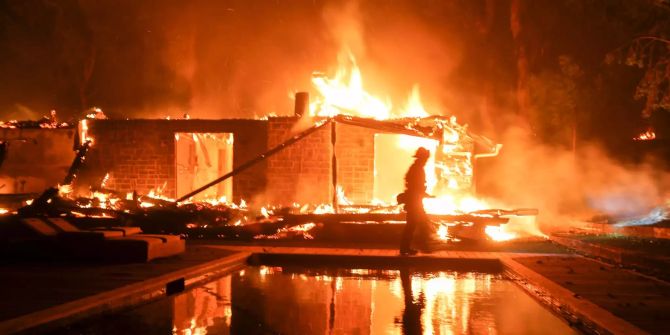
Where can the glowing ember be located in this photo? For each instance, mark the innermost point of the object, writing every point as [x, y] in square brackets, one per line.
[4, 211]
[646, 136]
[64, 190]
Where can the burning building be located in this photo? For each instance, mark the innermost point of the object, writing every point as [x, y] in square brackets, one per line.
[359, 155]
[362, 154]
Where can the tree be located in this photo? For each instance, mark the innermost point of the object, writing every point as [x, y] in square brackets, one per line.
[650, 51]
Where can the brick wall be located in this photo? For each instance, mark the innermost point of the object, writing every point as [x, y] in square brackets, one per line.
[140, 154]
[355, 162]
[302, 172]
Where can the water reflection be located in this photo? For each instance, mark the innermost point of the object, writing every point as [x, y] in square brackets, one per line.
[296, 301]
[285, 300]
[411, 315]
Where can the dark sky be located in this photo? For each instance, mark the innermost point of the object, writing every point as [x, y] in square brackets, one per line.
[220, 59]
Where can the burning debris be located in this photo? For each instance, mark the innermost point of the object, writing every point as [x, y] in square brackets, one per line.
[48, 122]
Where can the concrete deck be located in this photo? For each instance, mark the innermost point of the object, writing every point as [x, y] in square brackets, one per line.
[34, 294]
[595, 297]
[601, 293]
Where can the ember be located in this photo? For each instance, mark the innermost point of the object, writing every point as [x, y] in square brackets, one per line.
[646, 136]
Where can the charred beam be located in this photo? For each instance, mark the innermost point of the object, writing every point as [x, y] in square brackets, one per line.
[77, 163]
[333, 140]
[384, 126]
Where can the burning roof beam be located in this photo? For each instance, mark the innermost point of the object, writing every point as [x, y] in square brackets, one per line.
[386, 126]
[411, 127]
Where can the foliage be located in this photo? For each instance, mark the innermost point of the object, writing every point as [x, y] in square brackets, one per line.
[554, 95]
[649, 51]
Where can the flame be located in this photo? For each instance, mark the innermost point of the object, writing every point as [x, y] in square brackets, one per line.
[500, 233]
[64, 190]
[103, 184]
[450, 162]
[83, 132]
[450, 204]
[264, 212]
[443, 232]
[341, 198]
[324, 209]
[646, 136]
[345, 92]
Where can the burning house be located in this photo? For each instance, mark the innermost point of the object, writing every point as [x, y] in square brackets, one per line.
[345, 152]
[360, 156]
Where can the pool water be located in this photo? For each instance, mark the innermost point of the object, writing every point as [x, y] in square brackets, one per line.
[289, 300]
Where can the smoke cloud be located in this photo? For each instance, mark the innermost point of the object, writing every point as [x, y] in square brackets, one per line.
[567, 185]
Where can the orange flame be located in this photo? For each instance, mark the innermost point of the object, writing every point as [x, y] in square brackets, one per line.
[345, 93]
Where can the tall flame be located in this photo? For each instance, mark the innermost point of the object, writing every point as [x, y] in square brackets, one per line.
[344, 93]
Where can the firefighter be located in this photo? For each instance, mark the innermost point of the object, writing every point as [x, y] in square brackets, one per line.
[412, 198]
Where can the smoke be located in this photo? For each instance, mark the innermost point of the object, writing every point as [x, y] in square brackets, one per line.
[566, 185]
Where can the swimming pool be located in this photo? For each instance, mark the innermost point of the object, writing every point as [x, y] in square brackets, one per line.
[299, 300]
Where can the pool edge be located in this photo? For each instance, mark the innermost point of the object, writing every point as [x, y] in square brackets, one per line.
[124, 296]
[565, 302]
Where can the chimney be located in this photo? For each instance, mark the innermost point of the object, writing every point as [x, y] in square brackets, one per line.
[301, 104]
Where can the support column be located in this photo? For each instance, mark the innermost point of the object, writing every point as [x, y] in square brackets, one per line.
[333, 140]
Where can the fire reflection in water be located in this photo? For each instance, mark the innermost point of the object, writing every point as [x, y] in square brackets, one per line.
[299, 301]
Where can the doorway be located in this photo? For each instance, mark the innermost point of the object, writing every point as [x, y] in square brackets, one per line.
[201, 158]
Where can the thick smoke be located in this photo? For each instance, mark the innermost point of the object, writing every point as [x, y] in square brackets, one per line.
[567, 186]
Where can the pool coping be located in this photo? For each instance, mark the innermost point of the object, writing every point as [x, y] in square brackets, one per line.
[557, 298]
[567, 303]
